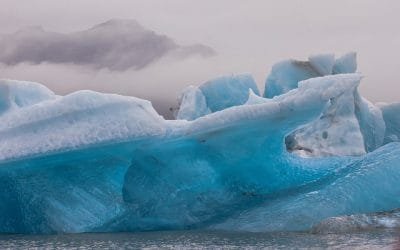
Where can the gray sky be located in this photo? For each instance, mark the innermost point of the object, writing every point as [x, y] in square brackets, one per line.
[248, 36]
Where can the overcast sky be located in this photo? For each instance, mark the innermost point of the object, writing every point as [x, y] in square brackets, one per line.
[247, 36]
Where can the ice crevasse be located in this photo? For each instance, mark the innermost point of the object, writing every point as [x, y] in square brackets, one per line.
[294, 160]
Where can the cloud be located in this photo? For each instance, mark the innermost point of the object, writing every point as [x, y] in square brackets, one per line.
[117, 45]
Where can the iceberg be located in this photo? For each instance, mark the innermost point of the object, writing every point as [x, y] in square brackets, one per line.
[367, 185]
[77, 120]
[17, 94]
[287, 74]
[350, 125]
[192, 104]
[345, 64]
[337, 131]
[215, 95]
[371, 121]
[392, 121]
[233, 160]
[323, 64]
[76, 164]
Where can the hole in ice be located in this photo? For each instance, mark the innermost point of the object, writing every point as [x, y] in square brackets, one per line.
[292, 145]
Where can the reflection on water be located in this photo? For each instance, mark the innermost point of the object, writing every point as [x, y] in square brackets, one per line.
[379, 239]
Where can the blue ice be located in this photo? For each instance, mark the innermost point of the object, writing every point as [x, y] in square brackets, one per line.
[93, 162]
[215, 95]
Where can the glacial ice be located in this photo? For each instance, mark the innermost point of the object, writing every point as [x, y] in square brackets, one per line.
[17, 94]
[368, 184]
[215, 95]
[337, 131]
[76, 120]
[92, 162]
[287, 74]
[363, 122]
[371, 121]
[193, 104]
[392, 121]
[323, 64]
[350, 125]
[345, 64]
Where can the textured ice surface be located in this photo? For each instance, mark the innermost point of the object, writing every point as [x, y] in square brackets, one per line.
[74, 121]
[255, 99]
[156, 174]
[349, 125]
[17, 94]
[391, 115]
[365, 186]
[337, 131]
[192, 105]
[91, 162]
[371, 122]
[287, 74]
[228, 91]
[323, 64]
[346, 64]
[215, 95]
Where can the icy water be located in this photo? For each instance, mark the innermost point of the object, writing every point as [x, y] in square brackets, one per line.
[379, 239]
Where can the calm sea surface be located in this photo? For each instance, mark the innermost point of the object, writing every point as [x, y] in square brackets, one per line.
[380, 239]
